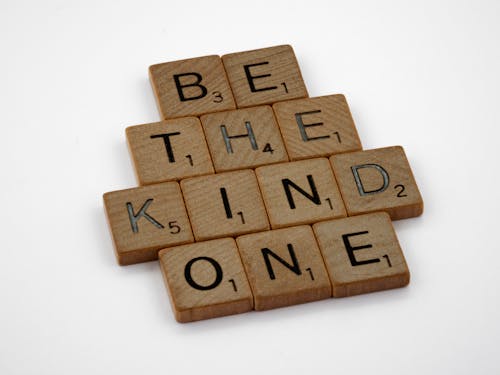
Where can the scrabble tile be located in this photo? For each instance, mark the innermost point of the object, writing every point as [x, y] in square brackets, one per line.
[169, 150]
[146, 219]
[378, 180]
[224, 205]
[362, 254]
[264, 76]
[284, 267]
[243, 138]
[191, 87]
[300, 192]
[315, 127]
[205, 280]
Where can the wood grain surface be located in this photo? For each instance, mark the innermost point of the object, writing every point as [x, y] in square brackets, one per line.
[244, 138]
[146, 219]
[191, 87]
[264, 76]
[205, 280]
[284, 267]
[169, 150]
[287, 205]
[314, 127]
[362, 254]
[378, 180]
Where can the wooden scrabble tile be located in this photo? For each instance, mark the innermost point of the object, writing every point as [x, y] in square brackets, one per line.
[224, 205]
[284, 267]
[378, 180]
[300, 192]
[243, 138]
[362, 254]
[206, 280]
[169, 150]
[315, 127]
[191, 87]
[146, 219]
[264, 76]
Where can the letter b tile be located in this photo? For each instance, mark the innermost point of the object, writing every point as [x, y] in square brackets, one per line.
[284, 267]
[205, 280]
[378, 180]
[191, 87]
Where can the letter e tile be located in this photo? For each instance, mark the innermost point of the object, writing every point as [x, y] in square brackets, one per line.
[362, 254]
[264, 76]
[315, 127]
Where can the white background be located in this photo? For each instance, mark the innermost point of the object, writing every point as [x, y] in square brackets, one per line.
[421, 74]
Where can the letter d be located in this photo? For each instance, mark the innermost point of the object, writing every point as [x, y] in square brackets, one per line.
[359, 184]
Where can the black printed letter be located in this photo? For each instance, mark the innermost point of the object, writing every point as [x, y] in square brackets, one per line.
[181, 86]
[251, 78]
[314, 197]
[295, 268]
[194, 284]
[351, 249]
[168, 146]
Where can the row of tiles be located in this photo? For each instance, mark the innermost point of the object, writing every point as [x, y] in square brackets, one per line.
[243, 138]
[201, 85]
[266, 270]
[146, 219]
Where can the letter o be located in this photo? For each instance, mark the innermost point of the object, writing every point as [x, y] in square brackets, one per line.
[194, 284]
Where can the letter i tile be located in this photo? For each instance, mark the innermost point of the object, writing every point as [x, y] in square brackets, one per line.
[378, 180]
[362, 254]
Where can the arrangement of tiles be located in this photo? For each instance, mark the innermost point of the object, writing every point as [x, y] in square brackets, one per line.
[275, 206]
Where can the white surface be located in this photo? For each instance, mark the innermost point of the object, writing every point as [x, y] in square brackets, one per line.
[422, 74]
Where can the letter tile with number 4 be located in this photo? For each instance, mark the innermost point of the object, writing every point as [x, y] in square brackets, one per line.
[191, 87]
[243, 138]
[205, 280]
[264, 76]
[362, 254]
[378, 180]
[146, 219]
[284, 267]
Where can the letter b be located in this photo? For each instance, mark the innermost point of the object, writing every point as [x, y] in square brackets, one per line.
[197, 83]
